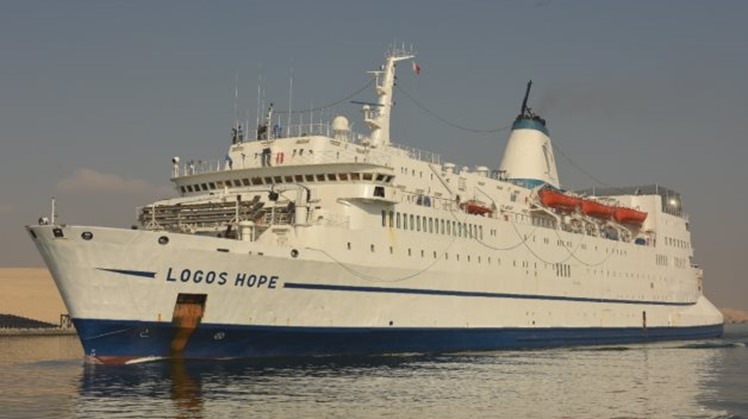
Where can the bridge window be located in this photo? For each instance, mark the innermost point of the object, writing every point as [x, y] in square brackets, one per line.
[379, 191]
[343, 176]
[331, 176]
[368, 176]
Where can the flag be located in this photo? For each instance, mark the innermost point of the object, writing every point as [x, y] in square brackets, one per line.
[416, 68]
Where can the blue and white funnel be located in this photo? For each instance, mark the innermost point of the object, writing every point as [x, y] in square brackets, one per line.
[528, 158]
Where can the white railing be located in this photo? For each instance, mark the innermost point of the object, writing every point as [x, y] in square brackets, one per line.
[350, 155]
[422, 155]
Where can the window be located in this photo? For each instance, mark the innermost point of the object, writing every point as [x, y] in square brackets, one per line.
[418, 223]
[405, 221]
[397, 220]
[331, 176]
[183, 189]
[380, 178]
[288, 178]
[379, 191]
[392, 219]
[310, 178]
[412, 226]
[320, 178]
[204, 186]
[189, 188]
[268, 180]
[212, 185]
[245, 182]
[368, 176]
[431, 225]
[343, 176]
[355, 176]
[299, 178]
[384, 218]
[256, 181]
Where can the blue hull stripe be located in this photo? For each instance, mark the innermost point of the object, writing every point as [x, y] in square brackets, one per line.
[132, 339]
[350, 288]
[142, 274]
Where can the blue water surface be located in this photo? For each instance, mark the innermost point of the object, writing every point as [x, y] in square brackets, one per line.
[46, 377]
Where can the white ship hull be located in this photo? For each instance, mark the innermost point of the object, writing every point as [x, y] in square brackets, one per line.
[121, 286]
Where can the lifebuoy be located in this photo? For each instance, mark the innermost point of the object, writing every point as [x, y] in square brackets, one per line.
[279, 158]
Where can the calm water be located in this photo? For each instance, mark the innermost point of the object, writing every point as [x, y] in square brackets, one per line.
[45, 377]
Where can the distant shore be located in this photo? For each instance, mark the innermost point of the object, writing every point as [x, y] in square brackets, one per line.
[733, 316]
[30, 292]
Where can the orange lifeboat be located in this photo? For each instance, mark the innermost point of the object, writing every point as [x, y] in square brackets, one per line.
[629, 216]
[596, 209]
[558, 200]
[475, 208]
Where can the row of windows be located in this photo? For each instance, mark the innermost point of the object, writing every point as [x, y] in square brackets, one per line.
[561, 269]
[431, 225]
[273, 180]
[673, 242]
[661, 260]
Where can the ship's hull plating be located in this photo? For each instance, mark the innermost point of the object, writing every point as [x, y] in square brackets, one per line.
[109, 341]
[122, 289]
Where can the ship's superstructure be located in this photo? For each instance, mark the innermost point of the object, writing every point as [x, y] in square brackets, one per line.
[314, 239]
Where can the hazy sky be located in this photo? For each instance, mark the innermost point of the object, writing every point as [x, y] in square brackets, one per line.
[96, 97]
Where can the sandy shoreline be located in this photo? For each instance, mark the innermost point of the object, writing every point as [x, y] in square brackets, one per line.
[30, 292]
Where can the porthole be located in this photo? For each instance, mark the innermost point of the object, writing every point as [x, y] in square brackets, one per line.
[163, 240]
[294, 253]
[87, 235]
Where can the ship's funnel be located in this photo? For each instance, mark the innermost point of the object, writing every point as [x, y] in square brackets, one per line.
[528, 158]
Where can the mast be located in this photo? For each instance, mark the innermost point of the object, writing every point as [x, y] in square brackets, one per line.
[377, 116]
[524, 111]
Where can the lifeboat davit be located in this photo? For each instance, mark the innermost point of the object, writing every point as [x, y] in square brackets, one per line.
[597, 210]
[475, 208]
[558, 200]
[629, 216]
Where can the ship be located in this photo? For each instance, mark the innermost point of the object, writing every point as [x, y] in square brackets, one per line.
[316, 240]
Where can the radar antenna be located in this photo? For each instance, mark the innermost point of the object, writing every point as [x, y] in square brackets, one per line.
[526, 111]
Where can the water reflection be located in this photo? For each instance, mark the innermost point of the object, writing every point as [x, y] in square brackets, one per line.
[703, 379]
[641, 382]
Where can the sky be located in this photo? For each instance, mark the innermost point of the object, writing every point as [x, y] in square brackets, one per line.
[96, 97]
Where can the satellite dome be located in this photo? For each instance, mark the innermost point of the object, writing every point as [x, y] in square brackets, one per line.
[340, 128]
[340, 123]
